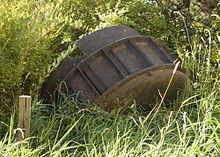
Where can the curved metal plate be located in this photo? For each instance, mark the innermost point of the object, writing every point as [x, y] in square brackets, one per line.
[144, 87]
[103, 37]
[57, 76]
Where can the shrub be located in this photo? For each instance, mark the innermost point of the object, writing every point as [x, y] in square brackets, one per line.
[26, 30]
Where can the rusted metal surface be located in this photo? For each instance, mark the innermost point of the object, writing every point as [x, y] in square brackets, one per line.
[131, 67]
[144, 87]
[56, 77]
[103, 37]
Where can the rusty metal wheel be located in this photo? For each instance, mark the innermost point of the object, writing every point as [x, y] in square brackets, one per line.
[118, 66]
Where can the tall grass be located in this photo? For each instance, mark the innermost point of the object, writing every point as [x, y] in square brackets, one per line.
[83, 129]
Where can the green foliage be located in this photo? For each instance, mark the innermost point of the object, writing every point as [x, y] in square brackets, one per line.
[26, 30]
[188, 127]
[83, 129]
[36, 35]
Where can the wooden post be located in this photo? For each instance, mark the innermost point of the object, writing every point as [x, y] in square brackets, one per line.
[24, 117]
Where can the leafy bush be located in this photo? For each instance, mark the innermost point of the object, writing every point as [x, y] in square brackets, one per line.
[26, 30]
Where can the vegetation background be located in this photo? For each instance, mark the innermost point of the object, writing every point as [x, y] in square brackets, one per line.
[36, 35]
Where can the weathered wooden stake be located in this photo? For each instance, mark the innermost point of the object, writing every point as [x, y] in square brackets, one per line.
[24, 117]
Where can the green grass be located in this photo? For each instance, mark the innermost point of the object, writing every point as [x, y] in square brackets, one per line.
[188, 127]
